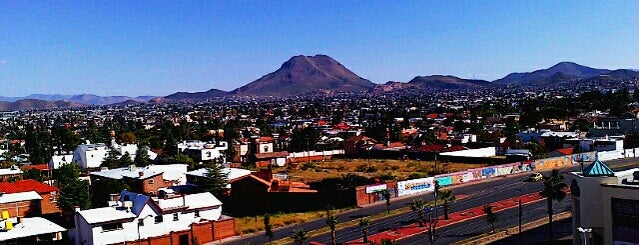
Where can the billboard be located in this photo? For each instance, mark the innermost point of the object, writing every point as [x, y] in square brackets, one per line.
[415, 186]
[375, 188]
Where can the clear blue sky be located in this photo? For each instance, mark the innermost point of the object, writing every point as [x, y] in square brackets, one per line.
[161, 47]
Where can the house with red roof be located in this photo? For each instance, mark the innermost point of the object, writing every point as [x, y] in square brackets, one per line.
[47, 203]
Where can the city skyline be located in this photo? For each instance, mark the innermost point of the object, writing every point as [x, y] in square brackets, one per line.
[120, 48]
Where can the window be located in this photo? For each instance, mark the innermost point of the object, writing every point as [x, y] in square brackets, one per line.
[175, 217]
[158, 219]
[151, 181]
[197, 213]
[111, 227]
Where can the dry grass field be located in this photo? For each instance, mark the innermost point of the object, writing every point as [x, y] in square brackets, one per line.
[316, 171]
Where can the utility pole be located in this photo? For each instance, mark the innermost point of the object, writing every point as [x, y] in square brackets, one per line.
[431, 229]
[520, 214]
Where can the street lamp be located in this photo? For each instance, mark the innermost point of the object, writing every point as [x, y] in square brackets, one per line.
[585, 234]
[141, 221]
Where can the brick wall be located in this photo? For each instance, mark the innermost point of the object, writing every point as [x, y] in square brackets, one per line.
[153, 184]
[203, 232]
[50, 206]
[23, 208]
[224, 228]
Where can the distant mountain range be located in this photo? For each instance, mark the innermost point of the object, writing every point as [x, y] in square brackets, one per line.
[447, 82]
[320, 73]
[87, 99]
[213, 93]
[26, 104]
[562, 71]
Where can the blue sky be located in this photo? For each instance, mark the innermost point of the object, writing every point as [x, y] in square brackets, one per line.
[161, 47]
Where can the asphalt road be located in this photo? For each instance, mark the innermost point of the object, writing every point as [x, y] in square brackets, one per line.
[505, 219]
[478, 194]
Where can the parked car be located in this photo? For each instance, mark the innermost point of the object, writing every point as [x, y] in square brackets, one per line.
[535, 177]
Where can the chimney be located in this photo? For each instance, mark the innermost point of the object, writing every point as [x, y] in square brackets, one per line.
[76, 208]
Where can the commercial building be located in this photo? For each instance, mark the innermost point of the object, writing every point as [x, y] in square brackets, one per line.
[605, 205]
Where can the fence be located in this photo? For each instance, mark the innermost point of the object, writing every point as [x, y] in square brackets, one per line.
[419, 186]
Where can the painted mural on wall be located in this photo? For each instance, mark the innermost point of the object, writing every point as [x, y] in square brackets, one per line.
[415, 186]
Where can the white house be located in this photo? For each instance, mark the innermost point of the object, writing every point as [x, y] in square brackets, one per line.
[58, 160]
[90, 155]
[175, 173]
[136, 217]
[203, 151]
[131, 149]
[28, 230]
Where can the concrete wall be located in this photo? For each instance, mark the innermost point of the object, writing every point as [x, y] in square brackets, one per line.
[498, 170]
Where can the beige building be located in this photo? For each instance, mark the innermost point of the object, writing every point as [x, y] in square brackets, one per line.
[605, 206]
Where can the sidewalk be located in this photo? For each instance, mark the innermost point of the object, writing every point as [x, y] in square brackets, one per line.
[476, 212]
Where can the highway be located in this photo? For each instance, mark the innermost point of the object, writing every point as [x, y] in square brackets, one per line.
[477, 194]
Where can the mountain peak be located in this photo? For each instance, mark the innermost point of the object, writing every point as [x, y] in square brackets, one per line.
[304, 74]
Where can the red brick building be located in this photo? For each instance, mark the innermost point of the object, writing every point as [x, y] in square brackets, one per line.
[49, 194]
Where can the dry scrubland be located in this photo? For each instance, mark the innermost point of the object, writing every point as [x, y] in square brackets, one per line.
[400, 169]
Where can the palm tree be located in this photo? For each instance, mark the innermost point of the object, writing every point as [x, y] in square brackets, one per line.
[447, 196]
[491, 217]
[365, 223]
[387, 241]
[300, 236]
[331, 221]
[553, 190]
[387, 196]
[419, 205]
[268, 228]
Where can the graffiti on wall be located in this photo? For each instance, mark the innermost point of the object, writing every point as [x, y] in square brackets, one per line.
[415, 186]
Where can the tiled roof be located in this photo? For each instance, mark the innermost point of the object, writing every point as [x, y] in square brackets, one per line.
[566, 151]
[597, 168]
[26, 186]
[42, 166]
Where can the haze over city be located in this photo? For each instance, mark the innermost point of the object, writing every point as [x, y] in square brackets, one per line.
[159, 48]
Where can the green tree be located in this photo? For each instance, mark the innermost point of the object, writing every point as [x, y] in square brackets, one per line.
[300, 236]
[127, 138]
[418, 206]
[447, 197]
[112, 160]
[303, 139]
[491, 217]
[331, 221]
[125, 160]
[365, 223]
[553, 190]
[32, 173]
[67, 173]
[268, 228]
[215, 181]
[387, 196]
[142, 157]
[179, 159]
[386, 241]
[102, 188]
[73, 191]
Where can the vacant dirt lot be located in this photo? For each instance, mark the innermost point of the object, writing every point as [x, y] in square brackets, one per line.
[399, 169]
